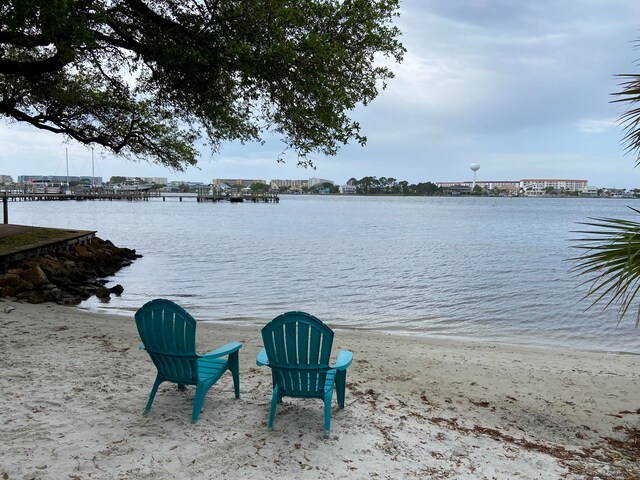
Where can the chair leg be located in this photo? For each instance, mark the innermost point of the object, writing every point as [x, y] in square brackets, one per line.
[156, 384]
[234, 366]
[198, 401]
[327, 412]
[341, 381]
[275, 382]
[274, 401]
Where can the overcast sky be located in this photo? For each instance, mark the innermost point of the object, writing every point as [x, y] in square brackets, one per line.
[522, 88]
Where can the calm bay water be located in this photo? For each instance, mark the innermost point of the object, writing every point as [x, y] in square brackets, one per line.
[491, 269]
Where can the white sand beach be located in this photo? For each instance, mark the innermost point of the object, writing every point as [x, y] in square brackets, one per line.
[74, 384]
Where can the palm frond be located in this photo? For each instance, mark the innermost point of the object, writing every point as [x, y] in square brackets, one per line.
[610, 262]
[630, 119]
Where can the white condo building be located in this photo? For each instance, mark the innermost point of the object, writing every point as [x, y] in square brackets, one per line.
[235, 181]
[289, 183]
[318, 181]
[531, 187]
[510, 186]
[534, 187]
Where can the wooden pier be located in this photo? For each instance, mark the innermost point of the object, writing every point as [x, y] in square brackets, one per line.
[145, 195]
[202, 195]
[107, 195]
[206, 196]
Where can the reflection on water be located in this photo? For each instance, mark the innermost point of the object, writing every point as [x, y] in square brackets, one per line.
[484, 268]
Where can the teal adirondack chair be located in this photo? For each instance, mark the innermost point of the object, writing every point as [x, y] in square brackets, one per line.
[297, 347]
[168, 334]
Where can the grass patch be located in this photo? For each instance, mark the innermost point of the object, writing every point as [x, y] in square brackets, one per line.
[35, 235]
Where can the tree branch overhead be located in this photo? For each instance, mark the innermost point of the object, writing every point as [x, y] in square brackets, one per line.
[228, 70]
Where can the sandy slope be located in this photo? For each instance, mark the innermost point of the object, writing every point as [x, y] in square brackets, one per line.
[74, 384]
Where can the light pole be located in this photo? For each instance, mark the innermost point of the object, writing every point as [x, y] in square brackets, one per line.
[93, 173]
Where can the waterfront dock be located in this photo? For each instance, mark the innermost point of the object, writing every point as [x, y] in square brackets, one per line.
[206, 196]
[108, 195]
[141, 195]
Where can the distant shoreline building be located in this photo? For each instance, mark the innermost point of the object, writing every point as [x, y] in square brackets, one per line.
[531, 187]
[155, 180]
[535, 187]
[510, 186]
[348, 189]
[289, 183]
[318, 181]
[58, 178]
[235, 181]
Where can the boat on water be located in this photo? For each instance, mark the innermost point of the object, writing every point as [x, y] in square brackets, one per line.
[132, 186]
[44, 186]
[54, 188]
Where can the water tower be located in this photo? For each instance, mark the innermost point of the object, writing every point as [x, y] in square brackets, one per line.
[475, 167]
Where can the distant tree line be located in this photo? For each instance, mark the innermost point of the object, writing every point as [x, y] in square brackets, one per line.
[391, 186]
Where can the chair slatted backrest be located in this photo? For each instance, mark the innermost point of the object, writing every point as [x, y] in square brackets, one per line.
[168, 333]
[298, 347]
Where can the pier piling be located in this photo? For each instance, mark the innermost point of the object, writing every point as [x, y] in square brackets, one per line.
[5, 208]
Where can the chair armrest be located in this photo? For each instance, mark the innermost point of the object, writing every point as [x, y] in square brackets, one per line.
[227, 349]
[141, 347]
[343, 361]
[262, 358]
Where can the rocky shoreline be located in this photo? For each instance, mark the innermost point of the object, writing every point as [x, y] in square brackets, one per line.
[67, 277]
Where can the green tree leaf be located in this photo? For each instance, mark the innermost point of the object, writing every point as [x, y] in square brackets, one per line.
[147, 79]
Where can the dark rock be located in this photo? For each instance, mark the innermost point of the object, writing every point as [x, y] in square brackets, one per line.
[85, 295]
[61, 281]
[91, 288]
[53, 295]
[9, 280]
[8, 292]
[72, 289]
[106, 271]
[36, 297]
[88, 269]
[35, 275]
[67, 277]
[52, 266]
[70, 301]
[31, 297]
[102, 292]
[24, 286]
[82, 250]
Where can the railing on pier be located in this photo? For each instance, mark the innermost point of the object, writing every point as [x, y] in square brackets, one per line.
[202, 195]
[87, 195]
